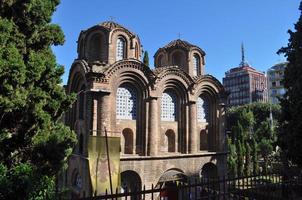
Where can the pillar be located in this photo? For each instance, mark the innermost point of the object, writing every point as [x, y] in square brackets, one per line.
[153, 127]
[104, 113]
[94, 112]
[192, 128]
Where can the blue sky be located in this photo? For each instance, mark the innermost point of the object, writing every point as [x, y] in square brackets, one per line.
[217, 26]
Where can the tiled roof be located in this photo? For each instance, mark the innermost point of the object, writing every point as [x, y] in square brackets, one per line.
[111, 25]
[182, 44]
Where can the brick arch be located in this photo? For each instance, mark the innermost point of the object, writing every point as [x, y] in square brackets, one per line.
[77, 76]
[131, 71]
[131, 181]
[209, 170]
[169, 175]
[170, 74]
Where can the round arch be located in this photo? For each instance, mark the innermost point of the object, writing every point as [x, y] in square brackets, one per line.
[131, 182]
[171, 175]
[209, 171]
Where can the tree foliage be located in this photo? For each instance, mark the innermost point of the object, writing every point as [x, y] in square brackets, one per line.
[146, 58]
[290, 137]
[32, 98]
[252, 135]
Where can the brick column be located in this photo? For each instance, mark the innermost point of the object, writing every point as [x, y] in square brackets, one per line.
[104, 113]
[94, 112]
[192, 128]
[153, 127]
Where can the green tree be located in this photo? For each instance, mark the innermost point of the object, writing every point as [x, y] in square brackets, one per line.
[250, 124]
[290, 138]
[232, 158]
[265, 149]
[255, 160]
[32, 98]
[247, 163]
[146, 58]
[240, 158]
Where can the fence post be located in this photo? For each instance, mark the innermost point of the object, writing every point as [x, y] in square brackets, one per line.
[224, 183]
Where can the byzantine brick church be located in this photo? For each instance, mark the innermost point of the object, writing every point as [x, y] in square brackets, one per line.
[170, 119]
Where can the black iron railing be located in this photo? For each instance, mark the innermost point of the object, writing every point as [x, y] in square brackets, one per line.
[270, 186]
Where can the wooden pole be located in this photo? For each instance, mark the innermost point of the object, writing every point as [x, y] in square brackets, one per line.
[108, 160]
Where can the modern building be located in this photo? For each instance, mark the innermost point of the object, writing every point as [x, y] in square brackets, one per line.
[245, 84]
[170, 119]
[275, 75]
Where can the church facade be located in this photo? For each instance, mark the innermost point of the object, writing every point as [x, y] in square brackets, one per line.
[170, 119]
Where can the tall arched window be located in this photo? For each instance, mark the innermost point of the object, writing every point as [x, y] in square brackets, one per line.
[136, 51]
[120, 48]
[196, 65]
[95, 50]
[160, 61]
[168, 107]
[125, 103]
[177, 58]
[202, 110]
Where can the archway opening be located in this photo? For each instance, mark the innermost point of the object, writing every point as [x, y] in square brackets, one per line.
[131, 182]
[209, 171]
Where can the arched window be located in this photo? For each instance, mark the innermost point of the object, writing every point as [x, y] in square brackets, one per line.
[160, 61]
[177, 58]
[128, 141]
[136, 51]
[202, 110]
[120, 49]
[95, 50]
[168, 107]
[196, 65]
[170, 137]
[125, 103]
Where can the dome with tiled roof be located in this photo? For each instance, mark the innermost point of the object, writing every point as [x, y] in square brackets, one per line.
[182, 54]
[110, 25]
[99, 43]
[181, 44]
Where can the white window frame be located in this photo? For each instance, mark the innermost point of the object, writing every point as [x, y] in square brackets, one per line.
[126, 103]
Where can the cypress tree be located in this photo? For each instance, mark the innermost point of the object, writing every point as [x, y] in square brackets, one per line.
[255, 156]
[247, 164]
[240, 158]
[34, 143]
[290, 137]
[146, 58]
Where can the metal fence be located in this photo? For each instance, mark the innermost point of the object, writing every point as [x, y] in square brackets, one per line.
[260, 186]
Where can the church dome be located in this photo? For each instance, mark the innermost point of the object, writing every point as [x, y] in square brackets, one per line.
[182, 54]
[181, 44]
[107, 43]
